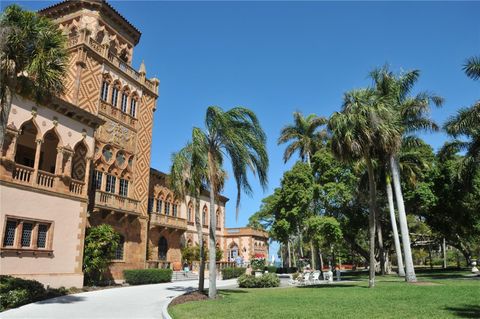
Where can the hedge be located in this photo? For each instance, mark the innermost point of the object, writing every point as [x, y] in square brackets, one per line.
[271, 269]
[16, 292]
[264, 281]
[147, 276]
[233, 272]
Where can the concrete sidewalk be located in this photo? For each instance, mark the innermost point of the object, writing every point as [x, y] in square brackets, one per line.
[143, 302]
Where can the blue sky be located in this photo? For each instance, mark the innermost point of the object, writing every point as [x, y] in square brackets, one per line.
[278, 57]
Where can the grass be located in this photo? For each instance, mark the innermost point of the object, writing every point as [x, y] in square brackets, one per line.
[440, 294]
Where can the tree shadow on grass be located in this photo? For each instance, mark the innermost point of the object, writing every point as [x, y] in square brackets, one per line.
[227, 292]
[62, 300]
[331, 286]
[466, 311]
[443, 276]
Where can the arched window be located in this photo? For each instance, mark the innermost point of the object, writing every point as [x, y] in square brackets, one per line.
[190, 212]
[48, 153]
[79, 162]
[175, 209]
[123, 103]
[26, 148]
[159, 205]
[218, 218]
[233, 252]
[100, 36]
[115, 90]
[120, 248]
[167, 206]
[133, 105]
[205, 216]
[104, 91]
[162, 248]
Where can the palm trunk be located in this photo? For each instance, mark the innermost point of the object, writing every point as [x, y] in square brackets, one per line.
[289, 254]
[300, 242]
[371, 223]
[5, 106]
[312, 254]
[320, 259]
[402, 217]
[201, 274]
[380, 243]
[398, 249]
[444, 251]
[212, 268]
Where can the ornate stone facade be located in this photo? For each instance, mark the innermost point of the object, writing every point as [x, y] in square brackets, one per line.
[84, 160]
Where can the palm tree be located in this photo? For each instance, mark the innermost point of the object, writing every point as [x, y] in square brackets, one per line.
[465, 124]
[189, 176]
[303, 136]
[235, 133]
[410, 116]
[361, 131]
[33, 59]
[472, 67]
[305, 139]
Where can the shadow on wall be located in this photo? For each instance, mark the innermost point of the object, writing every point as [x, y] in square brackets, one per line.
[466, 311]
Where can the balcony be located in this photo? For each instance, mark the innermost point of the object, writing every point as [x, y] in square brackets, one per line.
[112, 59]
[109, 201]
[27, 176]
[168, 221]
[111, 111]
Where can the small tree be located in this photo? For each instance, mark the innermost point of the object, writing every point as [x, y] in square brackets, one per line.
[101, 243]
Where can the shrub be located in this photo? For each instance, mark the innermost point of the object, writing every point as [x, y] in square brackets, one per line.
[291, 270]
[233, 272]
[147, 276]
[264, 281]
[257, 263]
[271, 269]
[100, 245]
[16, 292]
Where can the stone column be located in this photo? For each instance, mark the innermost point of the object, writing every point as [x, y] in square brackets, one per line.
[59, 162]
[12, 148]
[68, 165]
[37, 160]
[87, 170]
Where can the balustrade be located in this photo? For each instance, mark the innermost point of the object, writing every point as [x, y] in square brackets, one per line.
[168, 220]
[26, 175]
[115, 201]
[112, 58]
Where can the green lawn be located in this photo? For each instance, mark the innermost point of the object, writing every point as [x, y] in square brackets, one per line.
[442, 295]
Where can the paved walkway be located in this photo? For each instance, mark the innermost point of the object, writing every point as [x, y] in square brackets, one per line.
[127, 302]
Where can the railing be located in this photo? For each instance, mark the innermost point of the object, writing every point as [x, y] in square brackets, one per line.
[112, 58]
[45, 179]
[76, 187]
[22, 173]
[26, 175]
[168, 220]
[109, 109]
[116, 201]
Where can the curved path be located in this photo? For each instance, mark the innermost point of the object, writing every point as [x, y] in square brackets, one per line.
[146, 301]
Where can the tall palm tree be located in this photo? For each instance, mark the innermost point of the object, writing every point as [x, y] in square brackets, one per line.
[235, 133]
[304, 138]
[189, 177]
[410, 116]
[465, 123]
[362, 131]
[33, 59]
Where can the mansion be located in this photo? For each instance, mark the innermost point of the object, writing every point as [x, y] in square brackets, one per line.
[84, 159]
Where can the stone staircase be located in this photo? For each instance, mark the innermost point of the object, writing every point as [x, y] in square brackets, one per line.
[182, 276]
